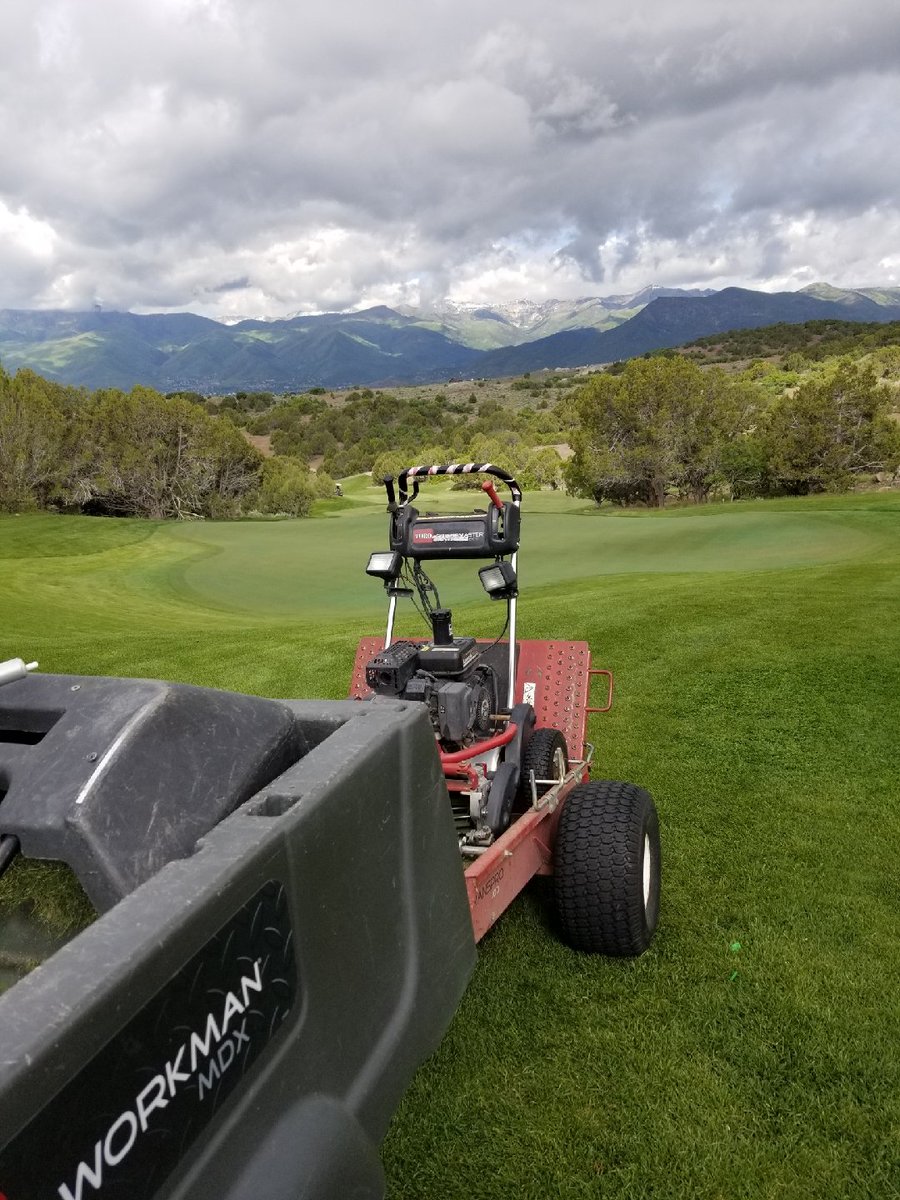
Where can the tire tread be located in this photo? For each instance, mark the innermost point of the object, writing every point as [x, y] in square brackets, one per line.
[538, 757]
[598, 878]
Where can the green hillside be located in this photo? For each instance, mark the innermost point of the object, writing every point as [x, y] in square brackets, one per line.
[811, 340]
[825, 291]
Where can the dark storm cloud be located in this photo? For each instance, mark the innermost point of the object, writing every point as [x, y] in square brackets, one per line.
[159, 152]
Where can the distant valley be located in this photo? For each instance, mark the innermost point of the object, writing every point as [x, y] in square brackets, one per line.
[384, 347]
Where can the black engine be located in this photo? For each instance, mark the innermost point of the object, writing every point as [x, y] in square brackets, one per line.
[460, 690]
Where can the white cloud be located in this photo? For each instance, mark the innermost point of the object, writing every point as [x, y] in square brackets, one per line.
[237, 156]
[31, 236]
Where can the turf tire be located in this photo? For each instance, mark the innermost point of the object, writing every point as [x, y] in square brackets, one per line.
[548, 756]
[606, 831]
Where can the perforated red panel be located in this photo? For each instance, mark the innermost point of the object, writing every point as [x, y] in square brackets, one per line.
[557, 672]
[367, 649]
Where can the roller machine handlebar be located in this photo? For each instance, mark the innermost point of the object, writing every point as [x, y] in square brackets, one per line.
[471, 468]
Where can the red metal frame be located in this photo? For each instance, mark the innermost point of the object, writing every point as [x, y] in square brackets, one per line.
[555, 677]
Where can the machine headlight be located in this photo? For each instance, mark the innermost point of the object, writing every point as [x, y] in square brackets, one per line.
[499, 580]
[385, 564]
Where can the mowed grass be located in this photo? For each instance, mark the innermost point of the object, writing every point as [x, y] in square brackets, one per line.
[753, 1051]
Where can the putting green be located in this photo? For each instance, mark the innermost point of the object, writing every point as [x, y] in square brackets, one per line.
[307, 569]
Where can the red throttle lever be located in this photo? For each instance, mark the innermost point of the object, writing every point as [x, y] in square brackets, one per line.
[488, 487]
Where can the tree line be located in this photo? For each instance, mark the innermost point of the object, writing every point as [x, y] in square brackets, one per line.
[643, 432]
[810, 341]
[663, 427]
[370, 429]
[135, 453]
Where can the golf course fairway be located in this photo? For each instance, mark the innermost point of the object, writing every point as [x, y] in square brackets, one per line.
[752, 1051]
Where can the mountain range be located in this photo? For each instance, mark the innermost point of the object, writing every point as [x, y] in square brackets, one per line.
[490, 327]
[384, 346]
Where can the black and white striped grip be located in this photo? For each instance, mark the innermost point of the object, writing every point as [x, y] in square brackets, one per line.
[455, 469]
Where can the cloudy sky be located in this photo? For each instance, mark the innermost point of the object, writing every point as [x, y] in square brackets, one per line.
[265, 157]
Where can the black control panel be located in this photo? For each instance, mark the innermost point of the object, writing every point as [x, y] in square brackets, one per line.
[472, 535]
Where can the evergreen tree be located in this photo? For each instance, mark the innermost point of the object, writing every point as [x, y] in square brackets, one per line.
[832, 429]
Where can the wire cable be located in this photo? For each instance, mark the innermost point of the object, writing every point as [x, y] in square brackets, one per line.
[502, 631]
